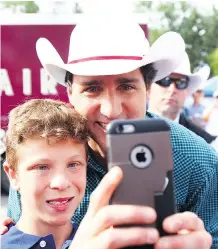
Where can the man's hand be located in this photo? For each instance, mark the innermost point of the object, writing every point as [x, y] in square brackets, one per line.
[98, 229]
[4, 225]
[190, 230]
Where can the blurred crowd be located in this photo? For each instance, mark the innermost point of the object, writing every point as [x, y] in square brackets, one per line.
[203, 115]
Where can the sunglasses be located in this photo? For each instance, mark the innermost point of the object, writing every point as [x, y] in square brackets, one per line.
[181, 83]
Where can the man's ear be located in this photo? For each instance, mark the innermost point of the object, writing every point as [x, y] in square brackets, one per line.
[69, 93]
[148, 93]
[12, 176]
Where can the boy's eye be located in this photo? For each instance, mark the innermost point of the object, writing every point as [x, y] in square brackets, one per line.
[73, 165]
[41, 167]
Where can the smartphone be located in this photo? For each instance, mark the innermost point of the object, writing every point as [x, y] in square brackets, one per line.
[142, 149]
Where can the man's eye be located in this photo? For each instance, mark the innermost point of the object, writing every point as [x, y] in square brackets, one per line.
[126, 87]
[93, 89]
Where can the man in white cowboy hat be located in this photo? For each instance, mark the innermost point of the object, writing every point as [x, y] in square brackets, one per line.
[168, 95]
[109, 71]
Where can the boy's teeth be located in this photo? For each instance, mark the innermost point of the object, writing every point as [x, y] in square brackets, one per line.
[58, 202]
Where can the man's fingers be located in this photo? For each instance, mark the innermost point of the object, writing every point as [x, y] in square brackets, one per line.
[115, 215]
[183, 221]
[121, 237]
[193, 240]
[3, 230]
[102, 194]
[7, 221]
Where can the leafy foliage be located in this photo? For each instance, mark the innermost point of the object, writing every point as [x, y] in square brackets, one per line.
[199, 31]
[25, 6]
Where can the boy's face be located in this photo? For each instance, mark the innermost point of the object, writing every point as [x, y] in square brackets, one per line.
[51, 179]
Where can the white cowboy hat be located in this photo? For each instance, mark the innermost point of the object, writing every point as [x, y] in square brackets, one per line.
[103, 46]
[215, 94]
[196, 79]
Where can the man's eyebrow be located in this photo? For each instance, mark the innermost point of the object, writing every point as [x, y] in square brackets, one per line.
[126, 80]
[91, 83]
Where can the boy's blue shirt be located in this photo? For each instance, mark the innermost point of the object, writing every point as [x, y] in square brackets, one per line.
[15, 239]
[195, 179]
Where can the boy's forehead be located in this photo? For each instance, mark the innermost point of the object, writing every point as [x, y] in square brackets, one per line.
[42, 148]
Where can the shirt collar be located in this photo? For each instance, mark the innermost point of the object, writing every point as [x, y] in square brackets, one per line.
[17, 239]
[177, 118]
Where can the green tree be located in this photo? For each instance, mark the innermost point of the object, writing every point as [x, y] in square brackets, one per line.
[199, 31]
[213, 60]
[25, 6]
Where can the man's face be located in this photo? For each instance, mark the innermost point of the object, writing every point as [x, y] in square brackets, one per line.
[51, 180]
[102, 99]
[167, 101]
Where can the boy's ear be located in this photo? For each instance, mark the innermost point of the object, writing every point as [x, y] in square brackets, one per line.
[12, 176]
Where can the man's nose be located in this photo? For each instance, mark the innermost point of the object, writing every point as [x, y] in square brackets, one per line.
[111, 107]
[172, 87]
[59, 181]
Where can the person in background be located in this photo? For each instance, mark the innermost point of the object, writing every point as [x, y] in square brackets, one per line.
[211, 116]
[196, 109]
[167, 96]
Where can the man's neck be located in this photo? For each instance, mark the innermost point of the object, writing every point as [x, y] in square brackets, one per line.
[166, 114]
[39, 228]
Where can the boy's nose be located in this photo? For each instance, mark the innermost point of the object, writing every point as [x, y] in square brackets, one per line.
[59, 182]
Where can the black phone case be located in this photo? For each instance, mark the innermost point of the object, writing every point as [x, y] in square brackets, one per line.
[155, 134]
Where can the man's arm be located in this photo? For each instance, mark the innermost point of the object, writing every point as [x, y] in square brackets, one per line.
[207, 203]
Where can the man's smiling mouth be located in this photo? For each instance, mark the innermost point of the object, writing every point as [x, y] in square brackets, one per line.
[102, 125]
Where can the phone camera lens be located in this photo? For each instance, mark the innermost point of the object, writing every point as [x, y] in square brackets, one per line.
[120, 129]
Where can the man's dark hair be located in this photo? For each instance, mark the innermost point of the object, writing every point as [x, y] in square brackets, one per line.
[148, 72]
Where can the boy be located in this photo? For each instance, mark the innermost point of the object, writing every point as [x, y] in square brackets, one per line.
[46, 163]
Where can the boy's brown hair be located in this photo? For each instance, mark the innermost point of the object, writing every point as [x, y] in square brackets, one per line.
[47, 118]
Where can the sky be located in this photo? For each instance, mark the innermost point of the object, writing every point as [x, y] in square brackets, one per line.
[152, 18]
[203, 5]
[67, 5]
